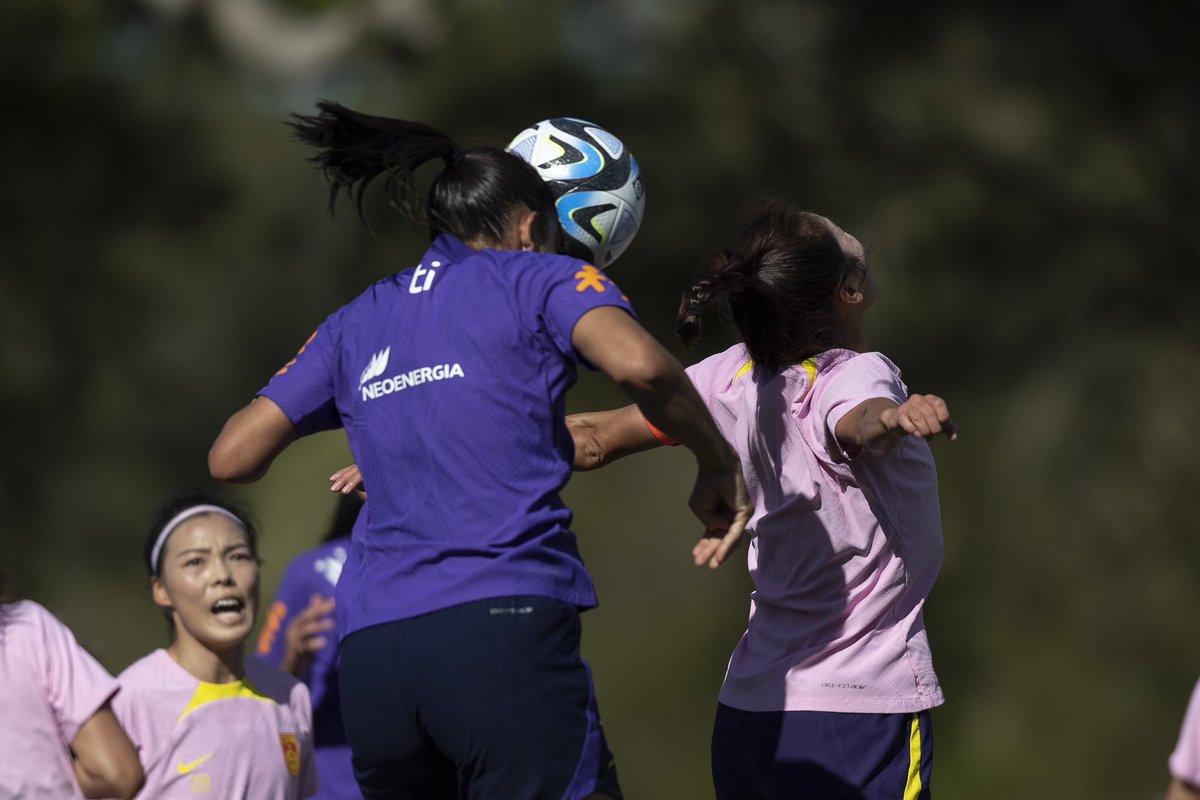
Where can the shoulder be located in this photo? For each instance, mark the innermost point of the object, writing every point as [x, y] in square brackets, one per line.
[721, 371]
[273, 682]
[36, 628]
[857, 371]
[28, 613]
[833, 362]
[151, 671]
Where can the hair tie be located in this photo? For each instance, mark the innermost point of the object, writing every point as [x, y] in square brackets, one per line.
[178, 520]
[733, 263]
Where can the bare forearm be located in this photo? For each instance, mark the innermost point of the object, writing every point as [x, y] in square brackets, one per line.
[672, 405]
[879, 424]
[105, 762]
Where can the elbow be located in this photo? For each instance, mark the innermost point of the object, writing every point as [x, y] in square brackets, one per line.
[647, 370]
[224, 463]
[131, 783]
[122, 778]
[589, 454]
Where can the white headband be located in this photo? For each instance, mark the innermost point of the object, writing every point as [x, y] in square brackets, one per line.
[179, 519]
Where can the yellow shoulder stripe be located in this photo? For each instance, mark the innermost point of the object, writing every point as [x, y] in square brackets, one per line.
[809, 364]
[211, 692]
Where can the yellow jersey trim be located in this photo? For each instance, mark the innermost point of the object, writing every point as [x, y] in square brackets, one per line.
[211, 692]
[809, 365]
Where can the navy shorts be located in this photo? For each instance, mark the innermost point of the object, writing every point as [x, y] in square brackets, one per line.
[819, 755]
[489, 699]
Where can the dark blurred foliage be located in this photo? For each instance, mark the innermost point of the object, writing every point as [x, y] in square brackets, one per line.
[1023, 176]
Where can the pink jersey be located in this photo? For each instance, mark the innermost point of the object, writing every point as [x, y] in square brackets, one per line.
[49, 687]
[844, 546]
[245, 740]
[1185, 760]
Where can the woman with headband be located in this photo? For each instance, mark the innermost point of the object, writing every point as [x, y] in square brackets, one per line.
[207, 719]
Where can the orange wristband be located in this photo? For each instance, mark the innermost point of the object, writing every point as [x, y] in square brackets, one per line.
[662, 437]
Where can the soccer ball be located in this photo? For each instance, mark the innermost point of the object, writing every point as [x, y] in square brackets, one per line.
[596, 180]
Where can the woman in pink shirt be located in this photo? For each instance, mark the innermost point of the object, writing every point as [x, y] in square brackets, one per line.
[1185, 758]
[58, 736]
[827, 693]
[208, 720]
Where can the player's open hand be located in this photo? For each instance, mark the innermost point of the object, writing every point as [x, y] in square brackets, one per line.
[923, 415]
[306, 634]
[721, 502]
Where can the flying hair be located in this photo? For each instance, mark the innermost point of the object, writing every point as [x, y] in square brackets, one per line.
[474, 197]
[353, 149]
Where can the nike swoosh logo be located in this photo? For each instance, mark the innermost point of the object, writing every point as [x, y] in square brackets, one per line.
[184, 769]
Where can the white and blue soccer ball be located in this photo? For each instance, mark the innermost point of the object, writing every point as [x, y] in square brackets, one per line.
[596, 180]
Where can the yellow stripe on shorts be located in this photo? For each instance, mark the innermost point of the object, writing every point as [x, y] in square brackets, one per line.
[912, 786]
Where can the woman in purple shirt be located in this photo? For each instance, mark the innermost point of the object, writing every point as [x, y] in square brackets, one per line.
[458, 604]
[827, 693]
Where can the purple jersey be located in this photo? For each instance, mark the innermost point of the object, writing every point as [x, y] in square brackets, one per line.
[316, 571]
[49, 687]
[450, 379]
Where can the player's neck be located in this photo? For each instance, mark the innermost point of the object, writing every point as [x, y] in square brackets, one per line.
[207, 665]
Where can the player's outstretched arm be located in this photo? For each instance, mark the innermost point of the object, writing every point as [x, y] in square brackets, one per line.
[602, 437]
[105, 761]
[878, 425]
[616, 344]
[250, 441]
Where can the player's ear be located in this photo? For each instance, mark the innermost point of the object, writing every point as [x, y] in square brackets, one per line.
[851, 290]
[158, 593]
[527, 230]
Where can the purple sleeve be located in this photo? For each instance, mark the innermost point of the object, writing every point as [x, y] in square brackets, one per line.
[1185, 759]
[290, 599]
[76, 685]
[304, 388]
[567, 289]
[850, 383]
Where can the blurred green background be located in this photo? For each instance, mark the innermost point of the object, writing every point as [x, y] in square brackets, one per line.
[1024, 176]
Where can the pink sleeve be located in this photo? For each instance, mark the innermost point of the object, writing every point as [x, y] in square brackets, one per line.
[302, 703]
[1185, 760]
[849, 384]
[76, 685]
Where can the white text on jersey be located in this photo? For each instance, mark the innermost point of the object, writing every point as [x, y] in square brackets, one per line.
[414, 377]
[422, 278]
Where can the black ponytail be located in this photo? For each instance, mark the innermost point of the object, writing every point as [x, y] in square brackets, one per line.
[353, 149]
[726, 274]
[473, 198]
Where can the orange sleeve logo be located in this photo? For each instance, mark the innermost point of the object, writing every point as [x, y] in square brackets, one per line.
[299, 353]
[591, 278]
[275, 617]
